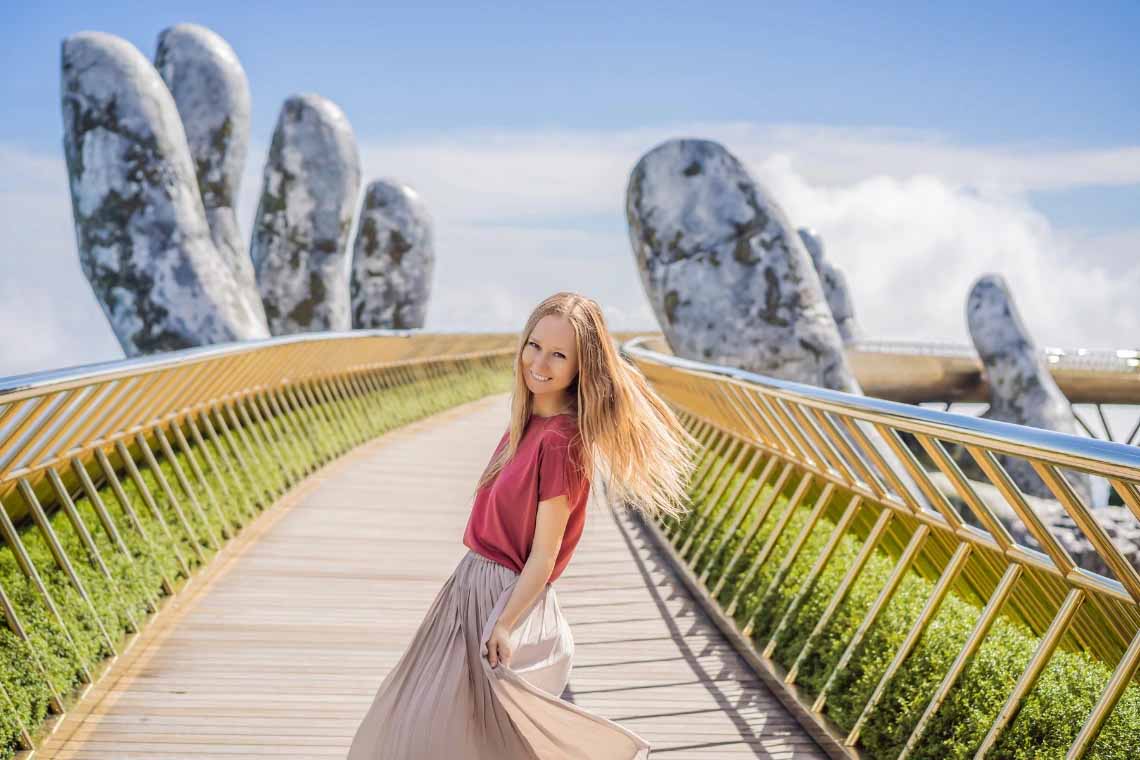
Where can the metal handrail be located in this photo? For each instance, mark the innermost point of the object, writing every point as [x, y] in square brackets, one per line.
[194, 444]
[842, 458]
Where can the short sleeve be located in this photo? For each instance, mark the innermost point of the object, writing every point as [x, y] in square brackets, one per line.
[555, 466]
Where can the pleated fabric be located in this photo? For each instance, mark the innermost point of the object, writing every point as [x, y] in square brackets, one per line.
[443, 700]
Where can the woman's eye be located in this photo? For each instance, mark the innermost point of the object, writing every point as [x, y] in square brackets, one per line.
[559, 354]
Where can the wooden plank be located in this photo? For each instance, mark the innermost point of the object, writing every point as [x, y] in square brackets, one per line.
[277, 650]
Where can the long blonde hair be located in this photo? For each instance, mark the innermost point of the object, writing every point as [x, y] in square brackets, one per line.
[624, 428]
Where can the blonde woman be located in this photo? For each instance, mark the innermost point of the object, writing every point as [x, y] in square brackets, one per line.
[483, 675]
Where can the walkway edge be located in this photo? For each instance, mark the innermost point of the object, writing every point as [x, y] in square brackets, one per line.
[818, 727]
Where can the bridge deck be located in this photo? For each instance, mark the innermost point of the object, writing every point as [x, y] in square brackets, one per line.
[277, 650]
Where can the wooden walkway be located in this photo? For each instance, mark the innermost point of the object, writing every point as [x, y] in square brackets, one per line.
[277, 650]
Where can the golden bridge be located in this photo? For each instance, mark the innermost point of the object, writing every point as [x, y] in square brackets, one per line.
[220, 552]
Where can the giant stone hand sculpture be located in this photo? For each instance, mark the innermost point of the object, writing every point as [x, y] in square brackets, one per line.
[212, 94]
[140, 226]
[155, 170]
[300, 235]
[1022, 390]
[726, 274]
[834, 286]
[393, 259]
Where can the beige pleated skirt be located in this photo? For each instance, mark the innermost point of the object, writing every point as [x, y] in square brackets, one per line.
[444, 701]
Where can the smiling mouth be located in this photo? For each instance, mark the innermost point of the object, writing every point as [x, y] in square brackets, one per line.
[539, 378]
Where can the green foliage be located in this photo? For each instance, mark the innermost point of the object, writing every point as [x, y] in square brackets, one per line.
[1048, 720]
[270, 456]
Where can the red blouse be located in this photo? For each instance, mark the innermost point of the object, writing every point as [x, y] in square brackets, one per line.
[503, 517]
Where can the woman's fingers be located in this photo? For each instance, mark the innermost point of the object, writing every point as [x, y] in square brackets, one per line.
[498, 651]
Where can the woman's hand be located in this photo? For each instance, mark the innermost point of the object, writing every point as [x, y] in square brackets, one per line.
[499, 646]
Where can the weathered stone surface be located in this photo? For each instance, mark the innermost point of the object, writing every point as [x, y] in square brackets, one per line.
[212, 95]
[300, 236]
[141, 230]
[725, 272]
[1022, 390]
[834, 286]
[393, 259]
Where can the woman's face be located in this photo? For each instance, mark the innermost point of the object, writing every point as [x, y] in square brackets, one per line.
[550, 358]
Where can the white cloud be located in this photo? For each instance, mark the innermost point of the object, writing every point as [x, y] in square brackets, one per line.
[911, 217]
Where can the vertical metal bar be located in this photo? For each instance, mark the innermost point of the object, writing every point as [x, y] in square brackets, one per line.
[1113, 691]
[319, 436]
[704, 435]
[100, 508]
[789, 559]
[40, 406]
[88, 541]
[723, 445]
[236, 439]
[778, 422]
[741, 513]
[187, 487]
[841, 591]
[32, 574]
[304, 449]
[730, 503]
[981, 628]
[869, 476]
[809, 581]
[272, 439]
[148, 499]
[335, 391]
[775, 438]
[256, 453]
[62, 559]
[697, 484]
[933, 602]
[133, 518]
[1004, 484]
[758, 521]
[704, 516]
[872, 614]
[769, 543]
[355, 395]
[168, 492]
[258, 433]
[246, 502]
[1125, 573]
[320, 400]
[828, 458]
[196, 471]
[868, 449]
[948, 467]
[918, 475]
[1069, 608]
[216, 471]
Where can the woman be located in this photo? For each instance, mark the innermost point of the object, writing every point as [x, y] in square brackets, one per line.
[483, 675]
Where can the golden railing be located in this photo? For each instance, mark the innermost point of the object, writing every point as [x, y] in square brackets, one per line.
[789, 473]
[120, 481]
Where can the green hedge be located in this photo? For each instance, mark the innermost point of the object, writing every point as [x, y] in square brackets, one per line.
[136, 582]
[1050, 717]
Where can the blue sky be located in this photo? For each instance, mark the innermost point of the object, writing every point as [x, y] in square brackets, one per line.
[913, 135]
[1018, 71]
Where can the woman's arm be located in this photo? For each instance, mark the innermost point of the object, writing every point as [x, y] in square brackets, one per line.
[549, 526]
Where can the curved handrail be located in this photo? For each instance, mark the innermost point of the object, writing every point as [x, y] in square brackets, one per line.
[868, 465]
